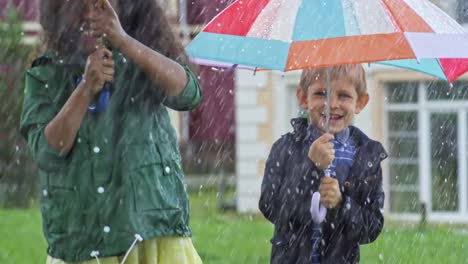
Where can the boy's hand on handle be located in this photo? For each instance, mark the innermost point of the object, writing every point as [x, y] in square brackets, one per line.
[321, 152]
[99, 70]
[330, 194]
[105, 23]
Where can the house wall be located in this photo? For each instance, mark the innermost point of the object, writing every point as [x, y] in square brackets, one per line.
[254, 128]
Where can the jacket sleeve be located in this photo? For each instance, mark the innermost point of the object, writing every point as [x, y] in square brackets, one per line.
[190, 96]
[363, 221]
[38, 111]
[272, 180]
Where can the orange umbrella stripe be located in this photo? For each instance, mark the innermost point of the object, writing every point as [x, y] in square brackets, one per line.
[406, 18]
[348, 50]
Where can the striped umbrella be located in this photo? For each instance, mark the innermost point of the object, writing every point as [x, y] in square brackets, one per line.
[289, 35]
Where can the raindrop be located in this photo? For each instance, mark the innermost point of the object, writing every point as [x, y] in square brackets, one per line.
[348, 206]
[369, 164]
[381, 257]
[277, 164]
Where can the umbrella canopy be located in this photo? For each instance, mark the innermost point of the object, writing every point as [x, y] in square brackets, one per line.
[290, 35]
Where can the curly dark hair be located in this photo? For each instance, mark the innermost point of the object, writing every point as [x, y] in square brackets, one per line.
[144, 20]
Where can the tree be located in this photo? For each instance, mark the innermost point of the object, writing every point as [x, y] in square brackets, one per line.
[18, 179]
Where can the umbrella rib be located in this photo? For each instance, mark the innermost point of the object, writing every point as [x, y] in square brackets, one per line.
[327, 114]
[392, 16]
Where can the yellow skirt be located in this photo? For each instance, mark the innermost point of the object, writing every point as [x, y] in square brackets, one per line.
[164, 250]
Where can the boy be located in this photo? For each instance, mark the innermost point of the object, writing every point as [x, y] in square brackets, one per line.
[294, 171]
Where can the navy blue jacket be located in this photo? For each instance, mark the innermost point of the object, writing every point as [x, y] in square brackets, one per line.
[291, 178]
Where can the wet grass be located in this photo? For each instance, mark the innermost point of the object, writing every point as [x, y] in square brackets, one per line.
[231, 238]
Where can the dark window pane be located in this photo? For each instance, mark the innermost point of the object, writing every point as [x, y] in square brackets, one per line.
[400, 147]
[444, 164]
[404, 202]
[403, 174]
[403, 121]
[439, 90]
[402, 92]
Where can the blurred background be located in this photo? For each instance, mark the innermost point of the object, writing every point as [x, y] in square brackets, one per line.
[224, 142]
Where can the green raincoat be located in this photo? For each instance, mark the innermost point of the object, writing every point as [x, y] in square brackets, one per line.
[123, 175]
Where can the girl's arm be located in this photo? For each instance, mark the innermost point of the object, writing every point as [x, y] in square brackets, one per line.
[157, 67]
[61, 131]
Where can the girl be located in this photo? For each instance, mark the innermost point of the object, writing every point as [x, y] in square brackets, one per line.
[94, 116]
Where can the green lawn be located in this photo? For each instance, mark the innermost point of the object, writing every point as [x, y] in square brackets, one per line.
[231, 238]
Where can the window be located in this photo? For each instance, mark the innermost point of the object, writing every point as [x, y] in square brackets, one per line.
[429, 116]
[403, 147]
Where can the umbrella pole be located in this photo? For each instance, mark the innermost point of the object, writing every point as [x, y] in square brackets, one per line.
[327, 113]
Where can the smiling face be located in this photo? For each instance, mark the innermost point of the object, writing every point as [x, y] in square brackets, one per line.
[345, 103]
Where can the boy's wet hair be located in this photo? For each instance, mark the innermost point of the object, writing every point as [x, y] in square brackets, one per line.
[354, 73]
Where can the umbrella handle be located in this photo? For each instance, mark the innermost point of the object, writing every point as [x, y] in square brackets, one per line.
[317, 210]
[104, 97]
[103, 101]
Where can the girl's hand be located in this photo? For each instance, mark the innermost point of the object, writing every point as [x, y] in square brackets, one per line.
[99, 70]
[321, 152]
[330, 194]
[105, 23]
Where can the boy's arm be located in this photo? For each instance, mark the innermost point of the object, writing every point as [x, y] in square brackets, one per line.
[272, 179]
